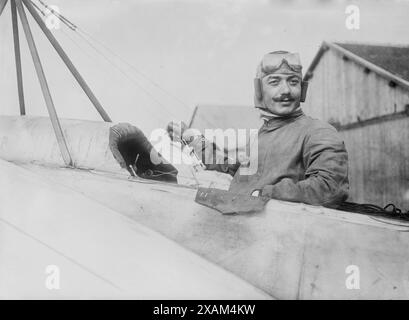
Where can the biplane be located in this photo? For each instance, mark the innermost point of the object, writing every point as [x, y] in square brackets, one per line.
[73, 224]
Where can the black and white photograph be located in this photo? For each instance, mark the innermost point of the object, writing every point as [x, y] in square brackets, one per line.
[217, 151]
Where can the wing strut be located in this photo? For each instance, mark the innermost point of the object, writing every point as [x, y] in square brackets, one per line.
[18, 59]
[17, 6]
[67, 61]
[43, 83]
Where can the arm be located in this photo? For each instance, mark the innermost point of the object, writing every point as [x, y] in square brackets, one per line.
[212, 157]
[326, 176]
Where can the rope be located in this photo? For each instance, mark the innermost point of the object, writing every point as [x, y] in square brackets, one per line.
[389, 211]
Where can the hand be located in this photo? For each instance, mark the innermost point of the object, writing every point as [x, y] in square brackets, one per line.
[191, 134]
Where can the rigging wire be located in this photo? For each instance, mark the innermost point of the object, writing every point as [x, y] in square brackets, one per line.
[130, 78]
[143, 75]
[88, 38]
[151, 96]
[93, 59]
[38, 8]
[68, 23]
[124, 73]
[104, 69]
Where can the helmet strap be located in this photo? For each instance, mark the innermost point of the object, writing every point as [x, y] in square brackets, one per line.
[257, 89]
[304, 87]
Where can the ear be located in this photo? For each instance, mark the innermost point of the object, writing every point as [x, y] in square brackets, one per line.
[304, 87]
[257, 89]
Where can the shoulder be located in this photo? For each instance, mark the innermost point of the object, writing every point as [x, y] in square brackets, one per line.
[318, 131]
[312, 125]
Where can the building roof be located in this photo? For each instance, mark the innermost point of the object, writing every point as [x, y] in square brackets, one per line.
[388, 61]
[391, 58]
[225, 117]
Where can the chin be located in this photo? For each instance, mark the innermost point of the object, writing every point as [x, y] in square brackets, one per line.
[282, 111]
[287, 111]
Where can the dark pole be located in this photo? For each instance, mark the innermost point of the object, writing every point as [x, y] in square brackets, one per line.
[44, 86]
[67, 61]
[18, 57]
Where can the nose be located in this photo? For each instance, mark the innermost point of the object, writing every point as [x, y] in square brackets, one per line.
[285, 89]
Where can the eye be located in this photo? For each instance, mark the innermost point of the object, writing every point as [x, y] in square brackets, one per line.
[294, 81]
[273, 82]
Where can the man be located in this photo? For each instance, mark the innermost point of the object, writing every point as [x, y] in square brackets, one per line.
[299, 158]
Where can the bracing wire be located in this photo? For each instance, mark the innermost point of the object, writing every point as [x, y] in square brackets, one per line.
[130, 78]
[106, 58]
[143, 75]
[88, 38]
[151, 96]
[68, 23]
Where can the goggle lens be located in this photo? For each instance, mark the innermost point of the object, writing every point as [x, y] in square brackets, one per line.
[273, 61]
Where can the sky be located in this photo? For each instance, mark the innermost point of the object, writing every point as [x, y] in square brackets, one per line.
[167, 56]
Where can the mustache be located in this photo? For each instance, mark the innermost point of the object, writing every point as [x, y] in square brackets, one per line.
[283, 98]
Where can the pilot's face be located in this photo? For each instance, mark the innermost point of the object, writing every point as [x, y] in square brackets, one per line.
[281, 93]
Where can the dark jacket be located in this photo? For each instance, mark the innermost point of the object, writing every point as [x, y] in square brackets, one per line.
[299, 159]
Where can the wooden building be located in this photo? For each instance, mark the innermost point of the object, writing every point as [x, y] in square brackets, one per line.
[363, 90]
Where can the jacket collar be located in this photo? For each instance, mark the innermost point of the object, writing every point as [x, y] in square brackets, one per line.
[274, 123]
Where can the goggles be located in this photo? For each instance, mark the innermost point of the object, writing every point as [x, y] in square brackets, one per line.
[281, 60]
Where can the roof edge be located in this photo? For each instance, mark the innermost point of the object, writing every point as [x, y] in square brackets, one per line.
[324, 47]
[357, 59]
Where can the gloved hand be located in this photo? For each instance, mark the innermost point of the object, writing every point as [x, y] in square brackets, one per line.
[176, 129]
[191, 134]
[212, 157]
[202, 147]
